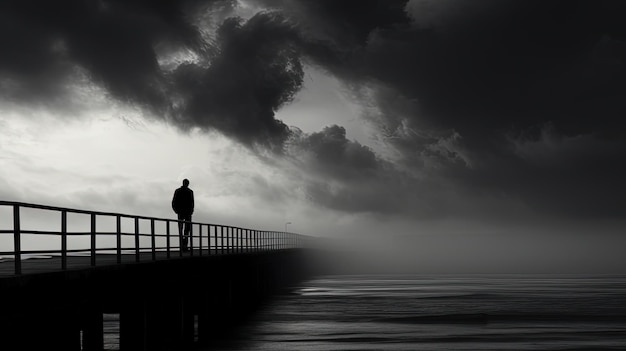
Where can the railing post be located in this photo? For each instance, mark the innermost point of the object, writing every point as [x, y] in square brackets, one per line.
[208, 236]
[152, 239]
[17, 243]
[247, 240]
[235, 235]
[167, 237]
[118, 238]
[190, 238]
[221, 239]
[63, 240]
[239, 240]
[200, 239]
[137, 239]
[229, 239]
[180, 236]
[93, 239]
[227, 251]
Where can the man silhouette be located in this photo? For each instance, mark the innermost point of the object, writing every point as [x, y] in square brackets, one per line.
[182, 204]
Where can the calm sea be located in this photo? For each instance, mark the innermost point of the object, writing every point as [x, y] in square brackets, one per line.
[442, 312]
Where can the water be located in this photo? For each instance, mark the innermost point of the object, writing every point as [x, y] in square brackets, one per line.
[443, 312]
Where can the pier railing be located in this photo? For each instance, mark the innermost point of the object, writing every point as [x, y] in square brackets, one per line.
[92, 233]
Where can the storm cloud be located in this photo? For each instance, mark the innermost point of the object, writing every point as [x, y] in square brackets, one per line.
[489, 106]
[50, 46]
[155, 56]
[520, 101]
[256, 71]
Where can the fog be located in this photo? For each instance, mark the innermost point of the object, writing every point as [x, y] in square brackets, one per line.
[487, 253]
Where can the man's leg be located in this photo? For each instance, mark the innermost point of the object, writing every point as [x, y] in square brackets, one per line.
[187, 233]
[181, 236]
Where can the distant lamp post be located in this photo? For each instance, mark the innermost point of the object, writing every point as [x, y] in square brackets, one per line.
[286, 226]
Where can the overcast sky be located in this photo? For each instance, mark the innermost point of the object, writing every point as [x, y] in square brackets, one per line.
[482, 123]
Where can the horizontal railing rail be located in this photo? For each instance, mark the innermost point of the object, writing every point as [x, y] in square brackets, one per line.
[204, 238]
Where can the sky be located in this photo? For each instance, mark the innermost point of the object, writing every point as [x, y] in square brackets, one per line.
[459, 131]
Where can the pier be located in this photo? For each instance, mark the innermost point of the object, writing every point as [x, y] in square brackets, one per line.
[132, 266]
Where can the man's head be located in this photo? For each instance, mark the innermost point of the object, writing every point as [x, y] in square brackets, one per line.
[185, 182]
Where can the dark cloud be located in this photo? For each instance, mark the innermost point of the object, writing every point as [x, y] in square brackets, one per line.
[331, 153]
[497, 101]
[345, 168]
[232, 82]
[465, 90]
[256, 71]
[48, 44]
[347, 22]
[510, 67]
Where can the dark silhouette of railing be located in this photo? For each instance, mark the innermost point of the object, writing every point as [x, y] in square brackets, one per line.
[205, 239]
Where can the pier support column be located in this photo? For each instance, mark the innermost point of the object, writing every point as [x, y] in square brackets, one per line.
[93, 330]
[152, 325]
[215, 313]
[172, 323]
[43, 331]
[133, 326]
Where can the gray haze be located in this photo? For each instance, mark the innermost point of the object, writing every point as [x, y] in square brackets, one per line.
[499, 113]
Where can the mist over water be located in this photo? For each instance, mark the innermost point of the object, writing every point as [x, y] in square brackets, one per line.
[477, 293]
[516, 251]
[443, 312]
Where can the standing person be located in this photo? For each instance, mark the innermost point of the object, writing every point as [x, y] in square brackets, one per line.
[182, 204]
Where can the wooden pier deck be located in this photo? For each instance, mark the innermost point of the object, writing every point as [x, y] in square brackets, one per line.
[48, 264]
[55, 297]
